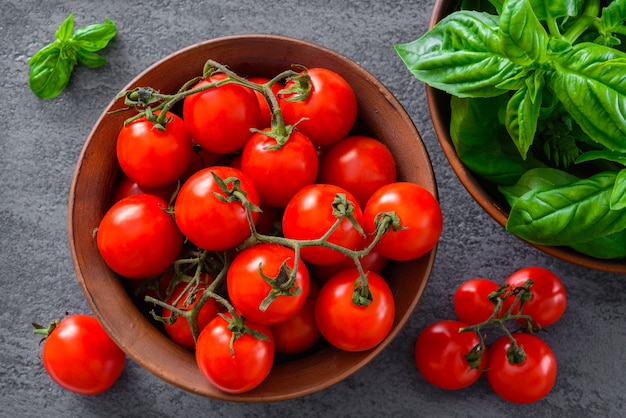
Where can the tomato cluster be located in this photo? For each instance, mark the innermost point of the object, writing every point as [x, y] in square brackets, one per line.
[519, 366]
[278, 224]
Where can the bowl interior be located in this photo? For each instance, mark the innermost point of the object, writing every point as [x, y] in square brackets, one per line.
[380, 115]
[439, 105]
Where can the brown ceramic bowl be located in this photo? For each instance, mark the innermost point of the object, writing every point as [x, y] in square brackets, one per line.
[439, 105]
[380, 115]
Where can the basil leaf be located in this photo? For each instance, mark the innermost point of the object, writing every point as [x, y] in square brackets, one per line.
[618, 195]
[90, 59]
[550, 9]
[611, 21]
[536, 179]
[524, 40]
[609, 247]
[95, 37]
[589, 81]
[482, 142]
[569, 214]
[64, 32]
[523, 112]
[50, 73]
[461, 55]
[614, 156]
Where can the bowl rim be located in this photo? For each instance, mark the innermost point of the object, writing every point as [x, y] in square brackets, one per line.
[436, 99]
[131, 349]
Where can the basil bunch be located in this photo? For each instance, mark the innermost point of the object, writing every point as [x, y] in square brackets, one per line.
[52, 66]
[539, 111]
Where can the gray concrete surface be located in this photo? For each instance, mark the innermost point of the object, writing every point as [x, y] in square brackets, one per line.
[41, 140]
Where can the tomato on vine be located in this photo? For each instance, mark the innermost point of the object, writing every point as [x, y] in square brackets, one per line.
[80, 356]
[471, 300]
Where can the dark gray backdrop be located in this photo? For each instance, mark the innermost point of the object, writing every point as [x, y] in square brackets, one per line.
[41, 140]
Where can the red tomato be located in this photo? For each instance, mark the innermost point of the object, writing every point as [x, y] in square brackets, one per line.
[200, 159]
[348, 326]
[440, 352]
[151, 157]
[359, 164]
[279, 173]
[247, 288]
[420, 218]
[471, 302]
[126, 187]
[242, 370]
[137, 238]
[300, 332]
[208, 221]
[309, 215]
[180, 331]
[220, 118]
[81, 357]
[372, 261]
[523, 383]
[549, 299]
[266, 113]
[330, 108]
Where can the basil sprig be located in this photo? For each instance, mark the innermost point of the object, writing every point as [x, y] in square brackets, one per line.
[539, 86]
[52, 66]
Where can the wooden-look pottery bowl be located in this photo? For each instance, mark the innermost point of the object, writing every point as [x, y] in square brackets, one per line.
[439, 105]
[380, 115]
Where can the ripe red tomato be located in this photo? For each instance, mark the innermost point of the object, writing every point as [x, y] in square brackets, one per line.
[266, 113]
[137, 238]
[440, 352]
[348, 326]
[300, 332]
[420, 217]
[359, 164]
[330, 108]
[126, 187]
[81, 357]
[247, 288]
[471, 302]
[208, 221]
[549, 299]
[220, 118]
[372, 261]
[180, 331]
[309, 215]
[279, 173]
[522, 383]
[151, 157]
[242, 370]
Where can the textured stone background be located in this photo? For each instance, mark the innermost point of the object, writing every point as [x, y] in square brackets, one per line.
[41, 140]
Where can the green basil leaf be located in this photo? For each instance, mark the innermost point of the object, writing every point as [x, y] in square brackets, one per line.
[90, 59]
[523, 112]
[610, 247]
[95, 37]
[524, 39]
[550, 9]
[482, 143]
[615, 156]
[461, 55]
[50, 74]
[44, 52]
[64, 32]
[618, 196]
[536, 179]
[569, 214]
[589, 81]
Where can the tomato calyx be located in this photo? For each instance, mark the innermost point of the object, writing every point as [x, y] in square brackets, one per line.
[281, 285]
[299, 87]
[237, 326]
[45, 330]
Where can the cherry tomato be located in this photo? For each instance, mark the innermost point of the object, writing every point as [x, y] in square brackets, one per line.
[309, 215]
[243, 369]
[81, 357]
[349, 326]
[220, 118]
[200, 159]
[523, 383]
[126, 187]
[208, 221]
[279, 173]
[372, 261]
[548, 297]
[440, 352]
[471, 302]
[152, 157]
[420, 219]
[266, 113]
[300, 332]
[180, 331]
[248, 285]
[137, 238]
[330, 108]
[359, 164]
